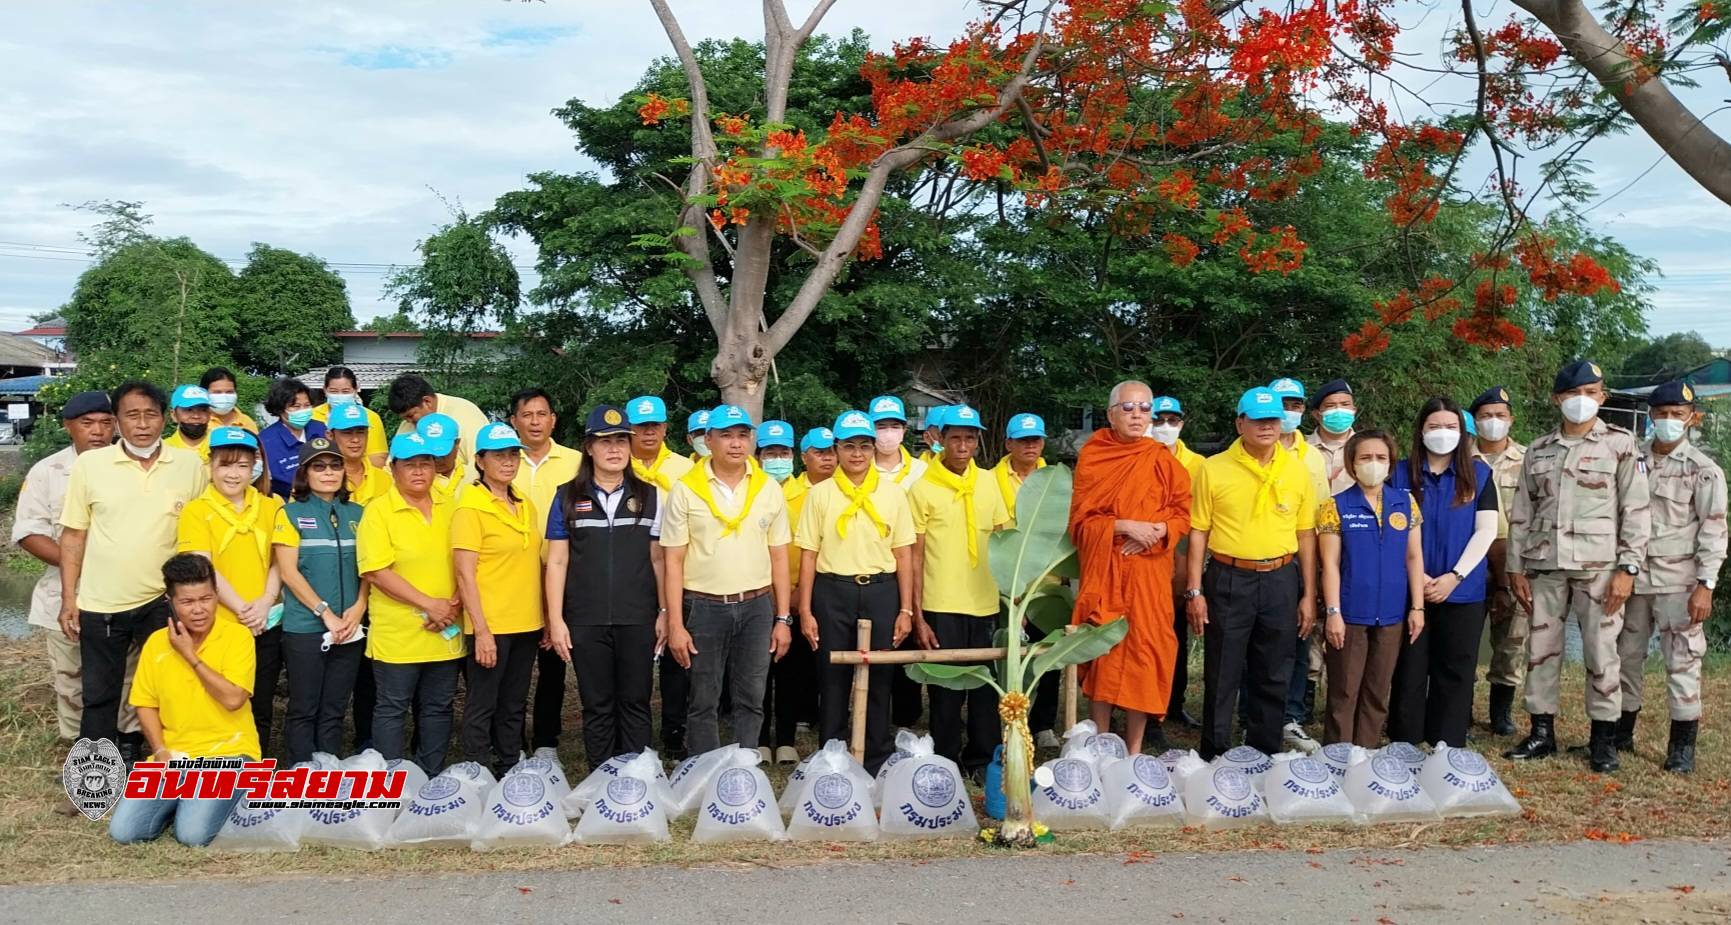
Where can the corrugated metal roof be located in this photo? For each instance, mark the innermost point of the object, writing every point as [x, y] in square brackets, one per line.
[372, 375]
[22, 351]
[23, 385]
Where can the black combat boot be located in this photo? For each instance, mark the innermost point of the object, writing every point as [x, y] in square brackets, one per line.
[1602, 747]
[1680, 755]
[1540, 743]
[1626, 730]
[1502, 699]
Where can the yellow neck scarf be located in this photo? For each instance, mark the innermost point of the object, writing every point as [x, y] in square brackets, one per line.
[652, 473]
[963, 485]
[859, 499]
[239, 523]
[698, 481]
[907, 466]
[1270, 476]
[1008, 484]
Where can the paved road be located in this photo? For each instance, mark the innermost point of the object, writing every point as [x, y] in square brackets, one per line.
[1587, 882]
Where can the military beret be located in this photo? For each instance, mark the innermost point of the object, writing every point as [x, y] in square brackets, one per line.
[1331, 387]
[1495, 395]
[85, 403]
[1676, 392]
[1577, 374]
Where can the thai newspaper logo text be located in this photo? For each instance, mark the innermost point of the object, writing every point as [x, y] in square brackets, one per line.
[263, 785]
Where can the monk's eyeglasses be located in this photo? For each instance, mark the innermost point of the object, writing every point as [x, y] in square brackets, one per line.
[1129, 406]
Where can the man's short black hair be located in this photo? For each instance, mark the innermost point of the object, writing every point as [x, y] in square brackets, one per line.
[138, 387]
[283, 391]
[530, 394]
[186, 568]
[407, 391]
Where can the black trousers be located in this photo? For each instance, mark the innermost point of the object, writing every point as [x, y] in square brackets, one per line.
[838, 603]
[496, 699]
[549, 698]
[791, 694]
[104, 642]
[366, 698]
[1251, 634]
[675, 703]
[267, 649]
[1181, 668]
[906, 703]
[426, 690]
[984, 728]
[615, 668]
[319, 686]
[1432, 697]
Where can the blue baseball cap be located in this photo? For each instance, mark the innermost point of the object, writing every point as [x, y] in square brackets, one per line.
[497, 436]
[1472, 426]
[962, 416]
[935, 415]
[191, 396]
[1261, 404]
[724, 416]
[775, 433]
[440, 431]
[646, 409]
[1166, 404]
[888, 408]
[1287, 388]
[1025, 425]
[698, 422]
[231, 436]
[409, 446]
[818, 438]
[348, 417]
[853, 424]
[605, 420]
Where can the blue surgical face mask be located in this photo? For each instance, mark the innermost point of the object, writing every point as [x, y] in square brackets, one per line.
[299, 417]
[1338, 420]
[1666, 430]
[779, 469]
[341, 398]
[222, 402]
[1289, 421]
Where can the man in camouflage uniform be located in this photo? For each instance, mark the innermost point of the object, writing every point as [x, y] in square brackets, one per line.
[1674, 592]
[1577, 538]
[1494, 417]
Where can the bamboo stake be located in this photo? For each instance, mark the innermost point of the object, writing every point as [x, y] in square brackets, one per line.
[912, 656]
[861, 687]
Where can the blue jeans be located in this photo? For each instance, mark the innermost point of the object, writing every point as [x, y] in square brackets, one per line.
[732, 642]
[425, 690]
[196, 822]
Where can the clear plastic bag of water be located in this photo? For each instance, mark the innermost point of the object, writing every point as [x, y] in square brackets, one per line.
[361, 829]
[907, 745]
[1223, 797]
[413, 777]
[1070, 796]
[474, 773]
[1141, 792]
[1384, 789]
[1413, 756]
[1252, 761]
[1338, 756]
[924, 797]
[1181, 765]
[1085, 738]
[1303, 789]
[545, 762]
[691, 778]
[521, 812]
[1462, 783]
[631, 808]
[252, 828]
[738, 804]
[445, 811]
[832, 802]
[580, 796]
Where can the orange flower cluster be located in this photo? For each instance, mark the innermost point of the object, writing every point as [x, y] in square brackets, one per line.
[1579, 275]
[656, 107]
[1181, 250]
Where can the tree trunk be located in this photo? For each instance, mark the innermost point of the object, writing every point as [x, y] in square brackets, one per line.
[741, 369]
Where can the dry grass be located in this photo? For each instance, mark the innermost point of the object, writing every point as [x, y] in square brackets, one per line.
[1564, 802]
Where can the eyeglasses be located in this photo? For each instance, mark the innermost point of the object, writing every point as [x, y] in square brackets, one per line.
[324, 465]
[1129, 406]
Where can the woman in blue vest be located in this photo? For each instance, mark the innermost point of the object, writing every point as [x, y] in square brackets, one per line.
[603, 586]
[1372, 582]
[1433, 682]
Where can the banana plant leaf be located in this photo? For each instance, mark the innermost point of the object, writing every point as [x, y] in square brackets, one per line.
[953, 677]
[1071, 567]
[1084, 645]
[1041, 539]
[1050, 606]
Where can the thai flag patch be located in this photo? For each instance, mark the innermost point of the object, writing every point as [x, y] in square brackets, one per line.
[583, 507]
[307, 523]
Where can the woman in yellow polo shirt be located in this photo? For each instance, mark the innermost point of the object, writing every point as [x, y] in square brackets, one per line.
[220, 385]
[230, 524]
[414, 638]
[342, 389]
[496, 544]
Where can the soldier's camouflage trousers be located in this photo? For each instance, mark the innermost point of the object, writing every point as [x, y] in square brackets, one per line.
[1681, 645]
[1559, 596]
[1508, 626]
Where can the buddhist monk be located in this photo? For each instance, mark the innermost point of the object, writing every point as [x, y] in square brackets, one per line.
[1130, 507]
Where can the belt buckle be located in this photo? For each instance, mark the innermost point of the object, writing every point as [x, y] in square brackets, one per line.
[862, 580]
[733, 598]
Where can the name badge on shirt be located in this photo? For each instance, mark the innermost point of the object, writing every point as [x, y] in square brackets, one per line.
[307, 523]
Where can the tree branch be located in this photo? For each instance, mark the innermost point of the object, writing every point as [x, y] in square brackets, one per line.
[1504, 189]
[700, 270]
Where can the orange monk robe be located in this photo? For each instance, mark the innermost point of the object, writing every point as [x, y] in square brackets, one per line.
[1138, 480]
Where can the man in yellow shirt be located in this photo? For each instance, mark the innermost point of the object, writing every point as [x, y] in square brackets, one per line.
[192, 691]
[190, 408]
[411, 398]
[1166, 429]
[955, 509]
[725, 534]
[343, 388]
[855, 536]
[445, 437]
[122, 508]
[654, 463]
[1024, 452]
[1253, 518]
[1307, 662]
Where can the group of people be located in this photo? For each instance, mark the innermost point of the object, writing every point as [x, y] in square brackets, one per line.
[382, 575]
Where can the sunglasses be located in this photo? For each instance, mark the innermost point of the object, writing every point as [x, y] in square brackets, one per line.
[324, 465]
[1129, 406]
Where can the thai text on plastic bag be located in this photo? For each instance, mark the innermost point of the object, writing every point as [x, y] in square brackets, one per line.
[692, 777]
[445, 811]
[1461, 783]
[833, 801]
[580, 796]
[1069, 795]
[255, 828]
[907, 744]
[521, 812]
[1140, 791]
[352, 827]
[631, 808]
[924, 797]
[1303, 789]
[1086, 738]
[738, 804]
[1407, 752]
[1252, 761]
[1338, 756]
[545, 762]
[1223, 797]
[1384, 789]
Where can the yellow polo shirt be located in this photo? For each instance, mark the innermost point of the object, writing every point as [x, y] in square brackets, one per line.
[738, 561]
[470, 419]
[1009, 483]
[236, 418]
[1314, 464]
[373, 484]
[1188, 458]
[200, 446]
[375, 427]
[131, 515]
[450, 487]
[209, 524]
[1224, 501]
[394, 535]
[508, 574]
[192, 721]
[952, 583]
[539, 483]
[865, 550]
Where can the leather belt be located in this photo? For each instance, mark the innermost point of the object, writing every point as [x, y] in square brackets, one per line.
[871, 579]
[1252, 565]
[739, 598]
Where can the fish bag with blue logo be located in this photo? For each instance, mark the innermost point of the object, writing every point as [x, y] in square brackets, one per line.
[1339, 756]
[1086, 739]
[255, 828]
[1461, 783]
[631, 808]
[924, 797]
[545, 762]
[1069, 795]
[1303, 789]
[578, 800]
[1384, 789]
[1223, 797]
[475, 773]
[1182, 765]
[1409, 754]
[907, 744]
[738, 804]
[340, 827]
[413, 777]
[794, 788]
[833, 802]
[692, 778]
[521, 812]
[443, 812]
[1141, 792]
[1251, 761]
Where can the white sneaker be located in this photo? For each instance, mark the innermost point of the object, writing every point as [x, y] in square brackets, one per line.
[1047, 739]
[1295, 738]
[786, 755]
[763, 753]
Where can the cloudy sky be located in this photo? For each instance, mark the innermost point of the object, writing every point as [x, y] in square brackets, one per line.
[327, 127]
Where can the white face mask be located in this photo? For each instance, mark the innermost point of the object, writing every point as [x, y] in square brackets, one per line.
[1442, 442]
[1579, 409]
[889, 440]
[341, 398]
[701, 445]
[144, 452]
[257, 469]
[1289, 421]
[222, 402]
[1666, 430]
[1165, 433]
[1493, 429]
[1370, 474]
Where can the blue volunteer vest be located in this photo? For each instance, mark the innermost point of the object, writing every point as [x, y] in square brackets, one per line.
[1373, 582]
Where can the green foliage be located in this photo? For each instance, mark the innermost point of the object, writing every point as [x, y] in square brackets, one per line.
[165, 304]
[1084, 644]
[1050, 606]
[394, 323]
[1662, 359]
[291, 304]
[953, 677]
[1023, 556]
[464, 283]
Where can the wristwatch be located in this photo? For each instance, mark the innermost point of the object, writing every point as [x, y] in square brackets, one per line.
[1331, 611]
[1708, 583]
[784, 619]
[1192, 594]
[321, 609]
[1629, 569]
[1457, 573]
